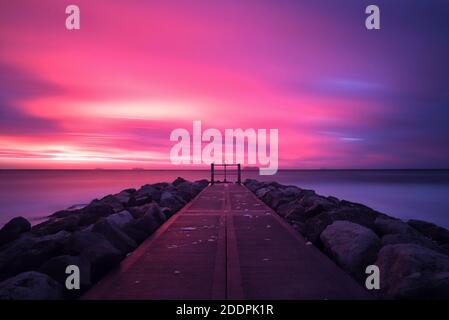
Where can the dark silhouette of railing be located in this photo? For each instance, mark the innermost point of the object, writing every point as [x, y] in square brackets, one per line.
[225, 172]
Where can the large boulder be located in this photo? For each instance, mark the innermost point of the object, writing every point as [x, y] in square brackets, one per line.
[430, 230]
[199, 185]
[54, 225]
[261, 192]
[139, 229]
[292, 191]
[357, 214]
[30, 252]
[81, 240]
[98, 251]
[170, 200]
[114, 202]
[410, 271]
[13, 229]
[102, 257]
[112, 233]
[293, 211]
[88, 214]
[179, 181]
[395, 231]
[274, 197]
[315, 204]
[124, 196]
[95, 211]
[185, 191]
[144, 195]
[254, 185]
[139, 199]
[388, 225]
[156, 213]
[137, 232]
[120, 219]
[314, 226]
[56, 267]
[30, 286]
[352, 246]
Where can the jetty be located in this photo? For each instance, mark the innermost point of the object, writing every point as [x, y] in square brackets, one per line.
[226, 244]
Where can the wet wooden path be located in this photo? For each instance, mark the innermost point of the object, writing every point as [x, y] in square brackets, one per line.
[226, 244]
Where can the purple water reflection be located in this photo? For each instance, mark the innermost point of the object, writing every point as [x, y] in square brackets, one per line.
[403, 194]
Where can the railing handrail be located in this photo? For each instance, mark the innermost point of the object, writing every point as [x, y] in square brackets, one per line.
[225, 165]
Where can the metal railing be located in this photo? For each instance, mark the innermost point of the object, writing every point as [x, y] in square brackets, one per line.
[225, 172]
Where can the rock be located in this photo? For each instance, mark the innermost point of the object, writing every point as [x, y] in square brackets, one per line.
[395, 231]
[139, 199]
[179, 181]
[314, 226]
[54, 225]
[135, 231]
[172, 201]
[154, 211]
[138, 211]
[120, 219]
[430, 230]
[292, 191]
[352, 246]
[112, 233]
[90, 213]
[102, 257]
[275, 198]
[114, 202]
[124, 196]
[66, 213]
[30, 286]
[56, 267]
[359, 215]
[413, 238]
[167, 212]
[384, 226]
[139, 229]
[94, 211]
[261, 192]
[81, 240]
[293, 211]
[316, 202]
[160, 185]
[334, 200]
[30, 252]
[13, 229]
[185, 191]
[199, 185]
[254, 185]
[314, 210]
[146, 194]
[410, 271]
[98, 251]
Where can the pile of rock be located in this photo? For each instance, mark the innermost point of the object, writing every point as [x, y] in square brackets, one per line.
[413, 256]
[94, 238]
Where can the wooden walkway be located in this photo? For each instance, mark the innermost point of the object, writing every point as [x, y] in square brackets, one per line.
[226, 244]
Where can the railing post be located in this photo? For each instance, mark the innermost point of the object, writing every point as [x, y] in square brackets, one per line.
[212, 173]
[225, 174]
[239, 175]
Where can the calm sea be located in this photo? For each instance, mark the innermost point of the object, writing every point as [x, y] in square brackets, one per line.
[405, 194]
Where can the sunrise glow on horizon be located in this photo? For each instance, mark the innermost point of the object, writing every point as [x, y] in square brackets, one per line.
[108, 95]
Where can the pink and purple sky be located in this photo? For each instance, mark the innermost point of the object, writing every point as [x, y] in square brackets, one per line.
[109, 94]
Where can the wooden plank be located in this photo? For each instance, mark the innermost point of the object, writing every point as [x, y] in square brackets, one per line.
[226, 244]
